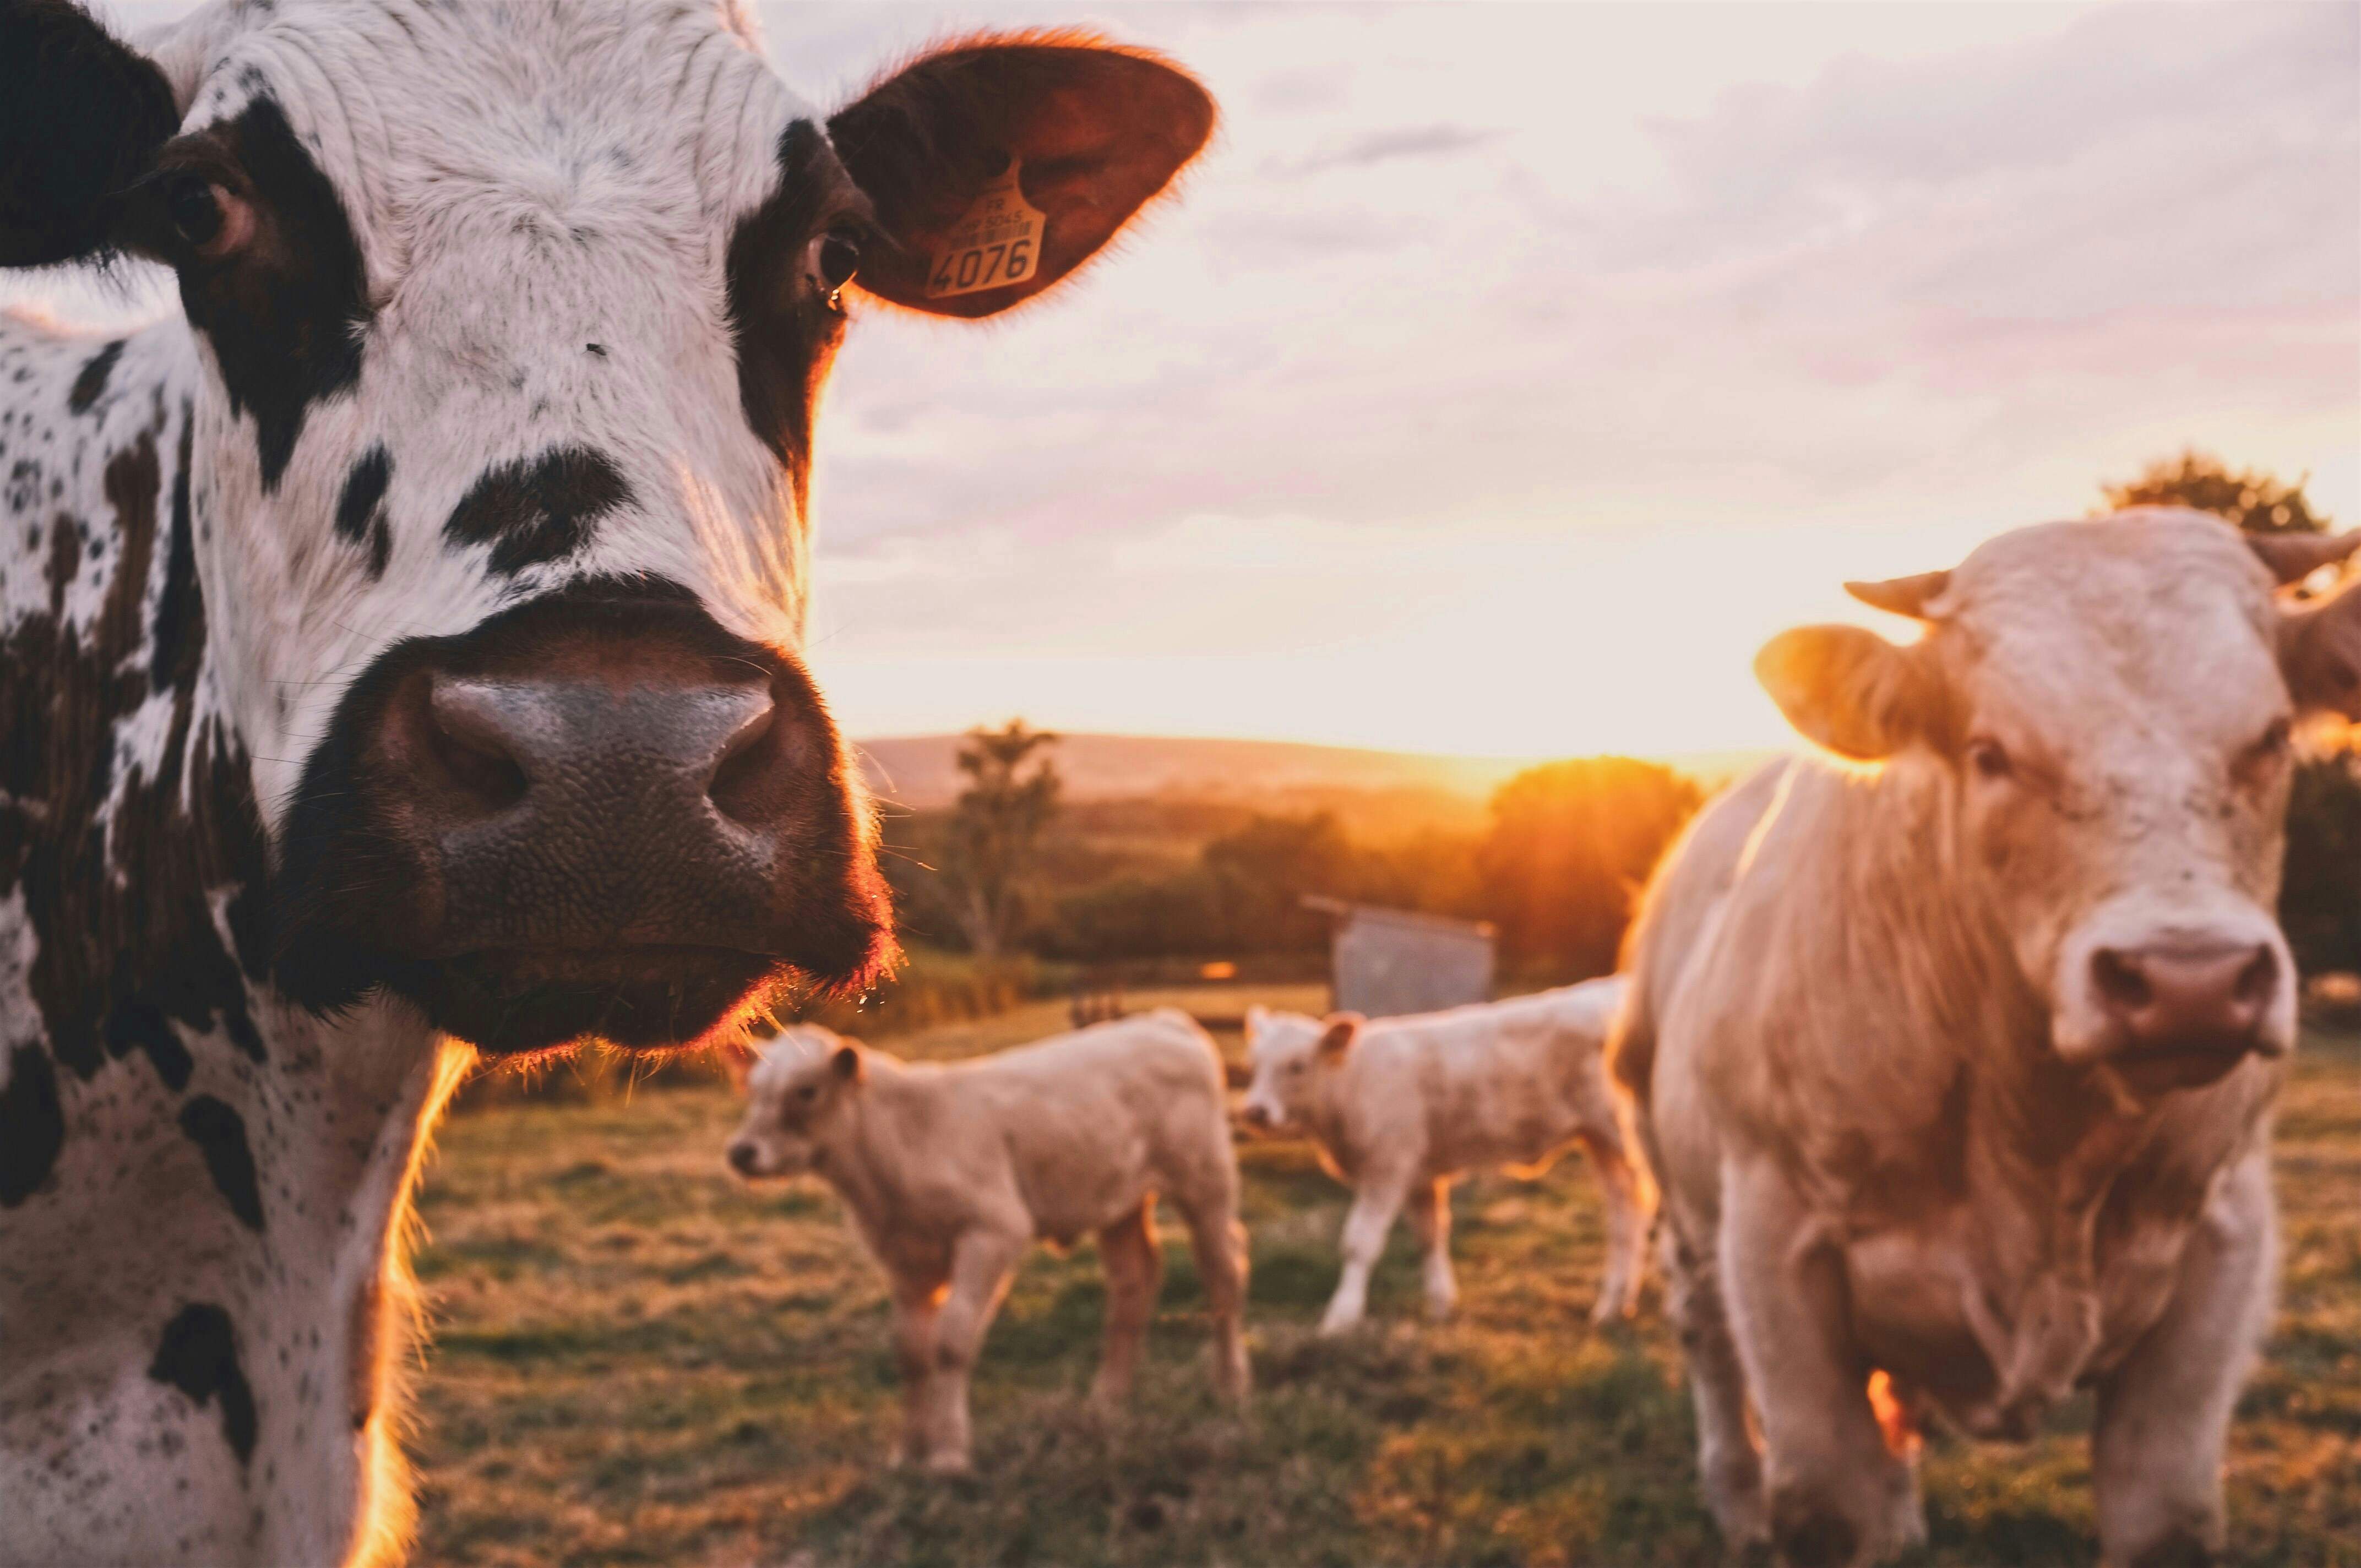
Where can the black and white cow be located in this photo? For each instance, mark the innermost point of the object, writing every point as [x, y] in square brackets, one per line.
[401, 650]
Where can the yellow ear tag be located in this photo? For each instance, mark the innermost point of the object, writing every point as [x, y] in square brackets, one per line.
[997, 243]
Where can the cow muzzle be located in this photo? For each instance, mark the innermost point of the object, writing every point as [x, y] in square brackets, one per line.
[2181, 1006]
[618, 823]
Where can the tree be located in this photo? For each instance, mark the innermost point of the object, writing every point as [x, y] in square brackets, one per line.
[996, 831]
[2253, 499]
[1569, 846]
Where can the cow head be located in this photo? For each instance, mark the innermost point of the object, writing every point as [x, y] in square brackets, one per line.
[509, 325]
[801, 1088]
[2104, 711]
[1289, 1054]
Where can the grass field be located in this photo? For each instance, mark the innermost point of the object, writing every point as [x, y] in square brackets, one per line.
[639, 1360]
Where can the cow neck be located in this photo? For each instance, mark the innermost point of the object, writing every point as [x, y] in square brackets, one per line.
[879, 1139]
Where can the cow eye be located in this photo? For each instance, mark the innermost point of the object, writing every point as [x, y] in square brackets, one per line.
[1989, 758]
[838, 259]
[2274, 744]
[807, 1093]
[204, 216]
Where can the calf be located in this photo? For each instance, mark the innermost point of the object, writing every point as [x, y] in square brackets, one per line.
[403, 651]
[950, 1172]
[1955, 1053]
[1401, 1108]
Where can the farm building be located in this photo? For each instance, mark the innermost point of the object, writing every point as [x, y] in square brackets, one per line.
[1385, 962]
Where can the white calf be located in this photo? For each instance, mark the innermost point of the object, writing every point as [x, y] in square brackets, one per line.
[1403, 1107]
[950, 1172]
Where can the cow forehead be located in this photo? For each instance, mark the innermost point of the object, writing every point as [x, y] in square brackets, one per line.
[784, 1060]
[1282, 1035]
[524, 109]
[2155, 621]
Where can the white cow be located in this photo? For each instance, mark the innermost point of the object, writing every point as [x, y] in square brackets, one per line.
[1403, 1107]
[1956, 1056]
[950, 1172]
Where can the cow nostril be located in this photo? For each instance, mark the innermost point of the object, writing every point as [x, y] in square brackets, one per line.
[742, 1158]
[2121, 984]
[471, 752]
[748, 779]
[2258, 980]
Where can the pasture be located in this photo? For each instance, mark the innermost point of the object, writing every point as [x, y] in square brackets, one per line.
[637, 1359]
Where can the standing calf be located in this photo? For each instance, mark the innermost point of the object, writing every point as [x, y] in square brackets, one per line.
[950, 1172]
[1401, 1108]
[1955, 1060]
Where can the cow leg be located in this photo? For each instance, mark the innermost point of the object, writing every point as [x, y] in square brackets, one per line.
[982, 1262]
[1430, 1221]
[1728, 1462]
[1839, 1498]
[1631, 1205]
[1219, 1244]
[1134, 1272]
[2164, 1415]
[1375, 1205]
[917, 1305]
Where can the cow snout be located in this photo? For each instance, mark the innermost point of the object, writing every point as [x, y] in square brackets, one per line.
[601, 817]
[2185, 1014]
[743, 1158]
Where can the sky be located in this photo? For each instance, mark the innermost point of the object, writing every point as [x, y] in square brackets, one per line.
[1505, 376]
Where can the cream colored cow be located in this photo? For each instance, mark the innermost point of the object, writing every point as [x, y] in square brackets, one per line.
[950, 1172]
[1403, 1107]
[1956, 1056]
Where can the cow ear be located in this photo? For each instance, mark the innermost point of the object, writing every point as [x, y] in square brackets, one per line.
[2319, 652]
[1849, 689]
[1343, 1029]
[998, 166]
[81, 119]
[847, 1063]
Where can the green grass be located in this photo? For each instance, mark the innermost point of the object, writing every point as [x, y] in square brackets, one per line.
[639, 1360]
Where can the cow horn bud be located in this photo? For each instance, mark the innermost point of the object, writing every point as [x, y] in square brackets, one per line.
[1902, 596]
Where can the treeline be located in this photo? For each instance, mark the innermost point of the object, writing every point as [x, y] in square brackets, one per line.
[1554, 865]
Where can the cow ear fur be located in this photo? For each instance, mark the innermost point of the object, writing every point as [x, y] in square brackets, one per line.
[1849, 689]
[81, 119]
[1338, 1037]
[1096, 133]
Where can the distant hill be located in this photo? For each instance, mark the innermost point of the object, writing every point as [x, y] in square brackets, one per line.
[921, 771]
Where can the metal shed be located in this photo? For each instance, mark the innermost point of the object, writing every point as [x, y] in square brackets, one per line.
[1385, 962]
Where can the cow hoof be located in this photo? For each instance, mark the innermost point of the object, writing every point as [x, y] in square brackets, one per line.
[1440, 1310]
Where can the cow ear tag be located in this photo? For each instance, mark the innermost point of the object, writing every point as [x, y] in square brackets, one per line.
[997, 243]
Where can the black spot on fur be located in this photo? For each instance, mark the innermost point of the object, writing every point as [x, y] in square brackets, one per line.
[285, 317]
[361, 510]
[178, 639]
[198, 1355]
[91, 383]
[32, 1125]
[134, 1026]
[786, 334]
[81, 117]
[540, 508]
[219, 1133]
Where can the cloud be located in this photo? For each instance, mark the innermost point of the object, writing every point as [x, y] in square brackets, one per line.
[1388, 147]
